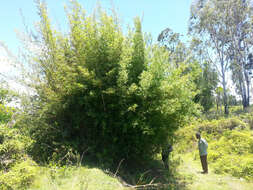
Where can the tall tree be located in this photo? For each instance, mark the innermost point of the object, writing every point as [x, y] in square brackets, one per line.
[177, 49]
[240, 34]
[207, 80]
[205, 77]
[206, 84]
[227, 25]
[208, 20]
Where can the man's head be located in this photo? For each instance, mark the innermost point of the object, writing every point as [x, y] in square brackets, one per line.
[198, 135]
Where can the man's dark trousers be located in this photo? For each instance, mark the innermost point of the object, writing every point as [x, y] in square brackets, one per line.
[204, 163]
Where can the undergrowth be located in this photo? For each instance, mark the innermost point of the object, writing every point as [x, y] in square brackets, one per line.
[230, 144]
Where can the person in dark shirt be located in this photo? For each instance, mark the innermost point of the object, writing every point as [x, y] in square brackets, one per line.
[165, 155]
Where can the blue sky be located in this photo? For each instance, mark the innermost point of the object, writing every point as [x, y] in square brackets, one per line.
[156, 14]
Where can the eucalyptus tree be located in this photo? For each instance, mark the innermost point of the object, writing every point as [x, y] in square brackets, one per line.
[239, 14]
[177, 49]
[205, 76]
[208, 79]
[227, 26]
[209, 21]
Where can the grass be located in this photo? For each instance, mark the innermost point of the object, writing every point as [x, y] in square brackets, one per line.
[185, 175]
[184, 171]
[75, 178]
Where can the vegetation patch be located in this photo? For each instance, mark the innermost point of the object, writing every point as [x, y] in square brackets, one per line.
[75, 178]
[230, 145]
[20, 176]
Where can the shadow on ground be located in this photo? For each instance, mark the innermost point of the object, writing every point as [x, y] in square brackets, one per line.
[153, 172]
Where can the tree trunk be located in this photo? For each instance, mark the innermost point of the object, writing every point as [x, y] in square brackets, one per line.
[225, 99]
[244, 95]
[248, 90]
[241, 91]
[244, 85]
[247, 87]
[217, 104]
[226, 111]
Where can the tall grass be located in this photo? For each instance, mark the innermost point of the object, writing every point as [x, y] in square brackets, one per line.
[75, 178]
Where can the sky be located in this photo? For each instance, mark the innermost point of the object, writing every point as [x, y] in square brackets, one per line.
[156, 15]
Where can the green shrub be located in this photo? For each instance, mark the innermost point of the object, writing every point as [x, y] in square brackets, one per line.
[238, 166]
[248, 118]
[17, 171]
[185, 138]
[230, 147]
[100, 90]
[20, 176]
[217, 127]
[5, 113]
[13, 146]
[211, 130]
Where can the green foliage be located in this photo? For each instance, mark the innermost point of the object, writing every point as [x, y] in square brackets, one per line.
[17, 171]
[230, 145]
[19, 177]
[5, 113]
[137, 64]
[104, 92]
[5, 94]
[205, 76]
[233, 154]
[76, 178]
[222, 181]
[206, 82]
[248, 118]
[13, 147]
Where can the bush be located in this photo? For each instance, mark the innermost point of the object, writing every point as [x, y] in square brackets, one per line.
[237, 166]
[217, 127]
[19, 177]
[230, 147]
[211, 130]
[5, 114]
[17, 171]
[13, 147]
[98, 90]
[247, 118]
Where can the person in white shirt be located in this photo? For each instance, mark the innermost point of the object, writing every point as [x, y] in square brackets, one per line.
[203, 145]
